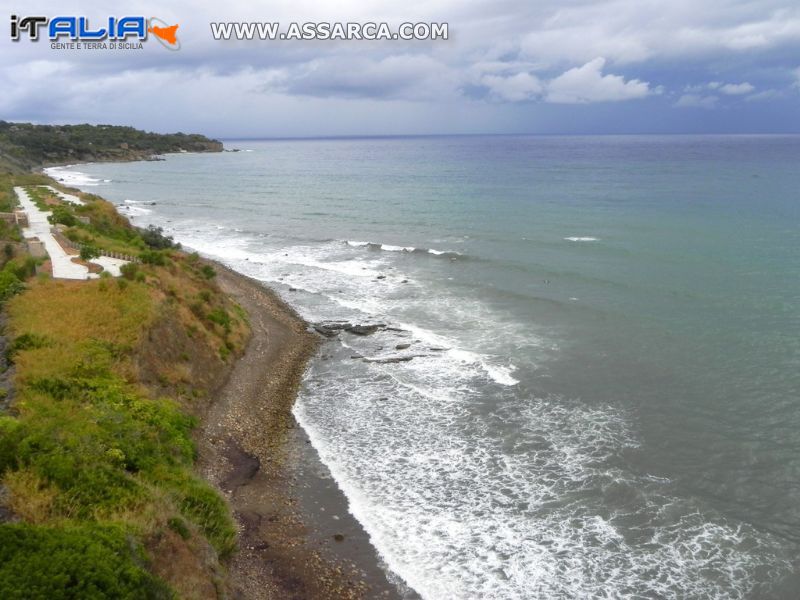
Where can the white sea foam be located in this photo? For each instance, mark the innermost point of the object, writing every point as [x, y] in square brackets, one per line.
[475, 516]
[498, 373]
[395, 248]
[582, 239]
[468, 484]
[70, 176]
[135, 208]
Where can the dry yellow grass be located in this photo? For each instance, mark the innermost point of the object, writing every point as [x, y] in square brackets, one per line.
[73, 317]
[30, 497]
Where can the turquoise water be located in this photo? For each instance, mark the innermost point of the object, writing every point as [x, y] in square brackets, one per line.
[604, 394]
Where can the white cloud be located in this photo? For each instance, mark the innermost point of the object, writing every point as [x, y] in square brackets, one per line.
[586, 84]
[736, 89]
[764, 95]
[514, 88]
[696, 101]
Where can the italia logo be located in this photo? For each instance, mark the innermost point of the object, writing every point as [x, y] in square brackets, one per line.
[78, 29]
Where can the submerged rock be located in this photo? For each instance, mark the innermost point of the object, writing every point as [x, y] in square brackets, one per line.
[362, 329]
[326, 331]
[389, 360]
[402, 346]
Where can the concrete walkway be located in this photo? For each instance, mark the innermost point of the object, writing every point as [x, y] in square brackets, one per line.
[39, 227]
[110, 265]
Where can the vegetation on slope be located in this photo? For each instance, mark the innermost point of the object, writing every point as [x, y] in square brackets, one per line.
[96, 455]
[24, 145]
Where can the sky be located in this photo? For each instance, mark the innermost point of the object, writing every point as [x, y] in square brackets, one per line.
[509, 66]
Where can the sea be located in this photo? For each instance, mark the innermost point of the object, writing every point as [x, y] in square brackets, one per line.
[586, 383]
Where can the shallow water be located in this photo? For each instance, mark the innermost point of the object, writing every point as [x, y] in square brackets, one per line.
[604, 399]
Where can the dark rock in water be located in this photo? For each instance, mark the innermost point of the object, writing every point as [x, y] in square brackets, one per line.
[435, 349]
[402, 346]
[390, 360]
[357, 356]
[291, 289]
[326, 331]
[362, 329]
[381, 277]
[404, 281]
[382, 399]
[394, 329]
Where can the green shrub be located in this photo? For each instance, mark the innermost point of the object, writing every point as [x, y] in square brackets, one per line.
[10, 285]
[73, 562]
[95, 442]
[221, 318]
[89, 252]
[11, 432]
[154, 237]
[26, 341]
[200, 504]
[129, 270]
[153, 257]
[63, 215]
[208, 272]
[22, 267]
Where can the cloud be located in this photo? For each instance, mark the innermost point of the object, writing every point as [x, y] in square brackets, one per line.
[585, 84]
[696, 101]
[513, 65]
[736, 89]
[405, 76]
[514, 88]
[764, 95]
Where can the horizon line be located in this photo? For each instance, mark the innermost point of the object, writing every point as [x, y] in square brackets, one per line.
[443, 135]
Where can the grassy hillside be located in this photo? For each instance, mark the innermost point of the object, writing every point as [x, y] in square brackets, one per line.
[102, 385]
[24, 146]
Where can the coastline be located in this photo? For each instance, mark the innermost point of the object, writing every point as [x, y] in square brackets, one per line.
[297, 538]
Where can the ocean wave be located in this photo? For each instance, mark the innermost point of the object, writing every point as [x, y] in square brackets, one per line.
[135, 208]
[71, 177]
[406, 249]
[582, 239]
[476, 514]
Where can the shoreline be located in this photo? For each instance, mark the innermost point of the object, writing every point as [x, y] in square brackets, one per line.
[297, 537]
